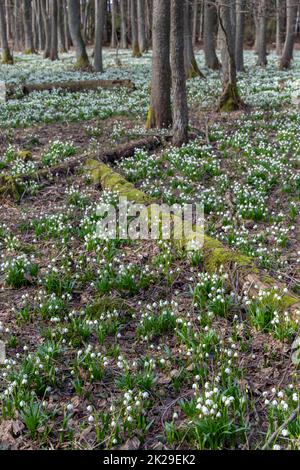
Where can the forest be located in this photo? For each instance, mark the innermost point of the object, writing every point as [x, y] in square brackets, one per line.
[149, 225]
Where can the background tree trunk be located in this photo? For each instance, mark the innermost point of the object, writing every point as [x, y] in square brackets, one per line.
[287, 54]
[134, 30]
[47, 28]
[160, 114]
[280, 26]
[6, 55]
[261, 34]
[142, 25]
[180, 106]
[61, 27]
[230, 99]
[54, 31]
[239, 34]
[29, 49]
[99, 19]
[113, 42]
[75, 30]
[209, 32]
[191, 66]
[123, 25]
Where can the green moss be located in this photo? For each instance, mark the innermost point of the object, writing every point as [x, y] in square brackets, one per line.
[10, 186]
[7, 57]
[194, 70]
[150, 119]
[108, 179]
[136, 50]
[216, 255]
[107, 304]
[82, 63]
[230, 99]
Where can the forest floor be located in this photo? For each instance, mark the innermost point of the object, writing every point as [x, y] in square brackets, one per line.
[132, 344]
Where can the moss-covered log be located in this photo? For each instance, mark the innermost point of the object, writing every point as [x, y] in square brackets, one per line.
[242, 270]
[70, 86]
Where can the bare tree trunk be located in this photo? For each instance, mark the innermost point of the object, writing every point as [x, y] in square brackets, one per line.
[40, 24]
[134, 30]
[287, 54]
[54, 31]
[6, 55]
[160, 114]
[230, 99]
[239, 37]
[209, 33]
[279, 26]
[261, 34]
[18, 25]
[47, 28]
[75, 30]
[29, 49]
[195, 21]
[191, 67]
[123, 25]
[180, 106]
[142, 25]
[113, 42]
[61, 27]
[99, 20]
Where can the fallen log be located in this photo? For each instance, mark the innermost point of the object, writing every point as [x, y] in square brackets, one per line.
[13, 92]
[12, 186]
[242, 269]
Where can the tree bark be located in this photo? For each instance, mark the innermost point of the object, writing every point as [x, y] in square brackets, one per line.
[47, 28]
[61, 27]
[230, 99]
[29, 49]
[287, 54]
[280, 26]
[210, 25]
[6, 54]
[261, 34]
[123, 25]
[134, 30]
[239, 36]
[99, 19]
[180, 106]
[191, 67]
[142, 25]
[113, 42]
[160, 114]
[75, 30]
[54, 31]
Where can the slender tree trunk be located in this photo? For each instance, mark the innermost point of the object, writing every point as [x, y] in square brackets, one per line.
[40, 25]
[99, 20]
[54, 31]
[113, 42]
[29, 49]
[230, 99]
[287, 54]
[160, 114]
[75, 30]
[142, 25]
[6, 54]
[261, 34]
[209, 33]
[195, 21]
[47, 28]
[191, 67]
[239, 37]
[180, 106]
[123, 25]
[134, 30]
[279, 26]
[61, 27]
